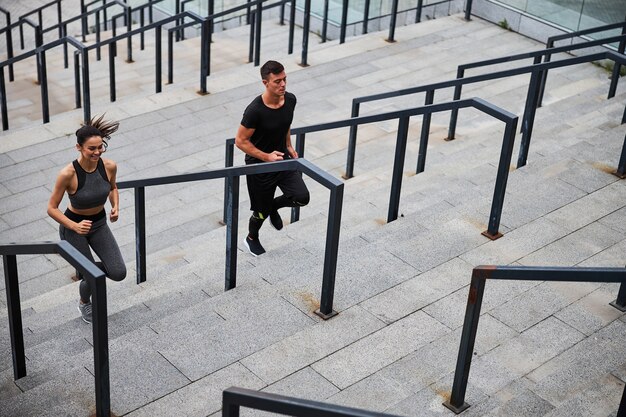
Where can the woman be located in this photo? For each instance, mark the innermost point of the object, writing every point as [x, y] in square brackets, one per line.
[88, 182]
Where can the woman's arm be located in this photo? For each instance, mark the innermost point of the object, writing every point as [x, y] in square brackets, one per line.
[114, 196]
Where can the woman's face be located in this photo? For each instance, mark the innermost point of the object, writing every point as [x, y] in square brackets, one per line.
[92, 148]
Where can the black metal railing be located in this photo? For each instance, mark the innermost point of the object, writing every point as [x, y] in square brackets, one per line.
[403, 117]
[234, 398]
[570, 35]
[232, 176]
[481, 274]
[537, 59]
[97, 281]
[531, 105]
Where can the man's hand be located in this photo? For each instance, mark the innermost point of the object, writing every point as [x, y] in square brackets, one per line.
[274, 156]
[293, 153]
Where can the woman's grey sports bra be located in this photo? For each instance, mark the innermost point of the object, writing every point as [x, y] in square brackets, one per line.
[93, 187]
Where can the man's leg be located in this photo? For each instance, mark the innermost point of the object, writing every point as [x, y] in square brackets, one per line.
[261, 188]
[295, 194]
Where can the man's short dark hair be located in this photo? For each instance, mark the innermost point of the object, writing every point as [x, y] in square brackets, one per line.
[271, 67]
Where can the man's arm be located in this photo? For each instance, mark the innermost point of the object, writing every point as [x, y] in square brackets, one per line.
[290, 148]
[242, 140]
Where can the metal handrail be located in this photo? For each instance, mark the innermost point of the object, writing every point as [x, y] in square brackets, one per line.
[97, 281]
[234, 398]
[403, 116]
[232, 175]
[537, 55]
[531, 101]
[480, 274]
[569, 35]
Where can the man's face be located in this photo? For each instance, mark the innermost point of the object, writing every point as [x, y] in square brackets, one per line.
[276, 84]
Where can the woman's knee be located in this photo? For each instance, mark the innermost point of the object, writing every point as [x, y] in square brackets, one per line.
[117, 273]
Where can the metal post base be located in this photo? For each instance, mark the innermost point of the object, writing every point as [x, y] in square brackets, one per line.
[333, 313]
[490, 236]
[621, 308]
[618, 175]
[456, 410]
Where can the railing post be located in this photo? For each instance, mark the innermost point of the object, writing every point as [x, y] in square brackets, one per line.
[252, 32]
[421, 156]
[620, 302]
[83, 20]
[4, 110]
[229, 409]
[232, 224]
[100, 345]
[229, 161]
[392, 22]
[418, 11]
[104, 15]
[366, 15]
[532, 92]
[77, 98]
[499, 192]
[142, 23]
[98, 56]
[468, 338]
[9, 39]
[112, 54]
[66, 62]
[352, 142]
[468, 10]
[544, 75]
[257, 35]
[86, 89]
[157, 59]
[38, 43]
[529, 120]
[344, 21]
[170, 57]
[205, 65]
[129, 40]
[454, 114]
[617, 67]
[15, 315]
[325, 21]
[330, 254]
[43, 81]
[305, 32]
[300, 139]
[292, 25]
[621, 411]
[140, 233]
[398, 166]
[621, 166]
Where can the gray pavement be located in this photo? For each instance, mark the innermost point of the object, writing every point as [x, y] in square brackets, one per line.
[176, 341]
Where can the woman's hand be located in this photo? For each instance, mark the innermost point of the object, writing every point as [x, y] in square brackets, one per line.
[83, 227]
[114, 214]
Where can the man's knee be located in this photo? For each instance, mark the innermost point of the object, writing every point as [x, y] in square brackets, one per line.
[301, 199]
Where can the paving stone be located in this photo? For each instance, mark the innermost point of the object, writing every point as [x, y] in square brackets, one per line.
[310, 345]
[371, 353]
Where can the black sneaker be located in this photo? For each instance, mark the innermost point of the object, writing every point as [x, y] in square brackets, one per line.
[85, 311]
[254, 246]
[275, 220]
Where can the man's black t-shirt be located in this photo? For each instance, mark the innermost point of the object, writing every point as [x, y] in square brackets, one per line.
[271, 125]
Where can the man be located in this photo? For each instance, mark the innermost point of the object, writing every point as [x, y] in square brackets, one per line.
[265, 136]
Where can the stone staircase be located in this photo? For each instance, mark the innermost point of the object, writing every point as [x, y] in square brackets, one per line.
[177, 340]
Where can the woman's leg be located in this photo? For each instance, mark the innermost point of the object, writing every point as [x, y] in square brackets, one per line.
[103, 242]
[82, 245]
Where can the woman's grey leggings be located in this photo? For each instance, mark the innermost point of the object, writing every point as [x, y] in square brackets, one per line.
[101, 240]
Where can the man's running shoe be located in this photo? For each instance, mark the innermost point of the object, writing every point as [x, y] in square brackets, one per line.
[85, 311]
[275, 220]
[254, 246]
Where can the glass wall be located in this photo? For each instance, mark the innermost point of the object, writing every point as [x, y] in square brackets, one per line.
[573, 14]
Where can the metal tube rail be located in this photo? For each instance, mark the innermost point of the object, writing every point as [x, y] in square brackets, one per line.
[232, 175]
[233, 398]
[480, 274]
[97, 281]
